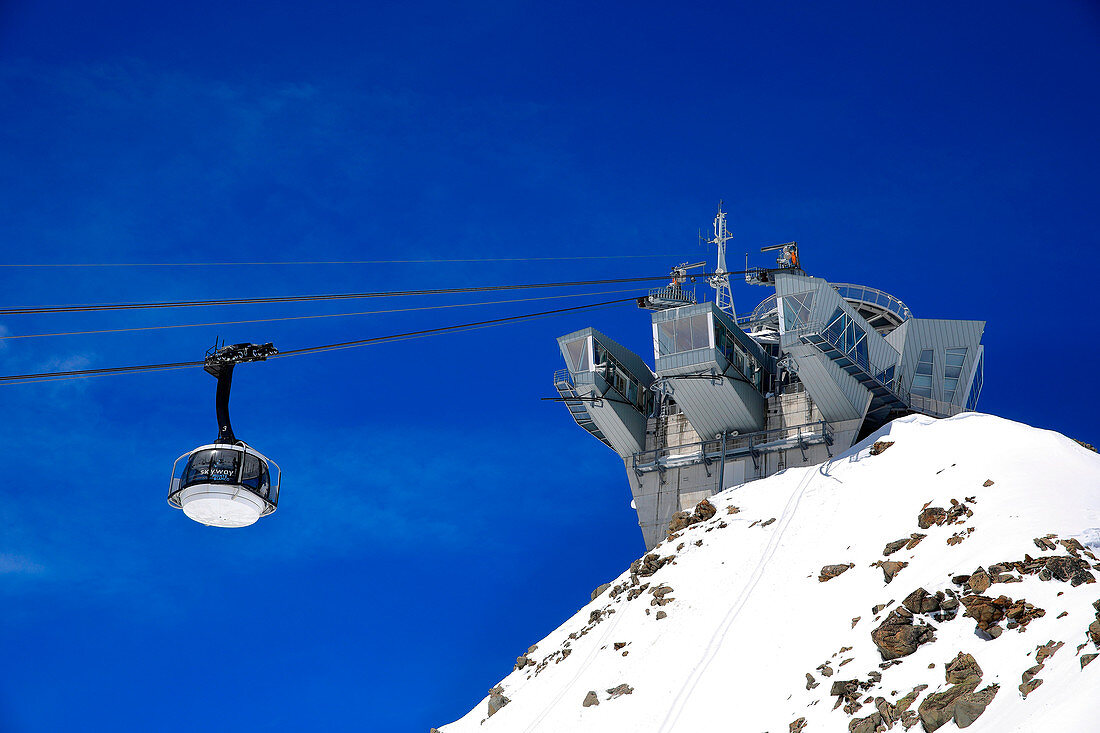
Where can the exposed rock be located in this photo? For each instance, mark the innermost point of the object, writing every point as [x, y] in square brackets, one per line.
[1044, 543]
[619, 691]
[1029, 687]
[797, 725]
[649, 564]
[855, 621]
[846, 691]
[661, 615]
[870, 724]
[939, 707]
[961, 668]
[898, 637]
[919, 601]
[1029, 673]
[914, 540]
[704, 510]
[958, 513]
[680, 520]
[599, 590]
[619, 645]
[970, 706]
[1086, 658]
[497, 700]
[932, 515]
[903, 703]
[890, 568]
[765, 524]
[880, 446]
[979, 581]
[591, 699]
[811, 683]
[1047, 650]
[1085, 445]
[892, 547]
[731, 509]
[988, 483]
[1094, 632]
[523, 661]
[831, 571]
[986, 611]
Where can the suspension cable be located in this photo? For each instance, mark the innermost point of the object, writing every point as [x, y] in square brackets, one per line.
[304, 298]
[338, 262]
[82, 373]
[4, 337]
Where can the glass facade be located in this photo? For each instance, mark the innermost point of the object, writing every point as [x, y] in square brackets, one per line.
[683, 334]
[848, 336]
[976, 386]
[578, 354]
[626, 384]
[952, 370]
[735, 352]
[796, 310]
[922, 379]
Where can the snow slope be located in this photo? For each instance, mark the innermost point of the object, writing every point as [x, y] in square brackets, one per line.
[747, 617]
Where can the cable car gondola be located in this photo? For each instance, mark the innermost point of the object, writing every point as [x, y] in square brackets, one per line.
[226, 483]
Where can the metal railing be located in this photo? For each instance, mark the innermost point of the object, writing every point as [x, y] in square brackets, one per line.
[876, 371]
[936, 408]
[848, 291]
[673, 294]
[733, 446]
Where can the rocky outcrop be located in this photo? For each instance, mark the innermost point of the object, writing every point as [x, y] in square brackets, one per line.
[599, 589]
[880, 446]
[831, 571]
[704, 510]
[591, 699]
[649, 564]
[890, 568]
[497, 700]
[962, 701]
[898, 636]
[907, 543]
[934, 515]
[989, 612]
[619, 691]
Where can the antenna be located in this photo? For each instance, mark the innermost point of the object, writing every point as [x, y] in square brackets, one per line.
[720, 280]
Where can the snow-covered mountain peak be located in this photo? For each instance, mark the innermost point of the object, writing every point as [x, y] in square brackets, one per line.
[940, 574]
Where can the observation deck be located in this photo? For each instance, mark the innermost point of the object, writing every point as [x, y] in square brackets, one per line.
[881, 310]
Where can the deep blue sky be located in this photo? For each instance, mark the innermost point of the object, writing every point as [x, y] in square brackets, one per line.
[436, 517]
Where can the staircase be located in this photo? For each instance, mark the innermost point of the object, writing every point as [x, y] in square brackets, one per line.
[577, 408]
[884, 400]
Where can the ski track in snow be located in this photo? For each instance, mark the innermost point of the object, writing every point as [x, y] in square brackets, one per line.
[719, 635]
[581, 669]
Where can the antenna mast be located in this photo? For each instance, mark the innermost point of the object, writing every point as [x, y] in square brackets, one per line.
[720, 280]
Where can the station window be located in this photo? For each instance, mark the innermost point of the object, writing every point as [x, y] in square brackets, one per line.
[846, 335]
[922, 379]
[578, 354]
[796, 310]
[976, 385]
[683, 334]
[736, 353]
[952, 370]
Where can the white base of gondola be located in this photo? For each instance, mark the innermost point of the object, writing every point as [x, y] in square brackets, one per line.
[221, 505]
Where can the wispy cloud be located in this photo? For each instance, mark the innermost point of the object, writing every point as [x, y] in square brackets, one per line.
[19, 565]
